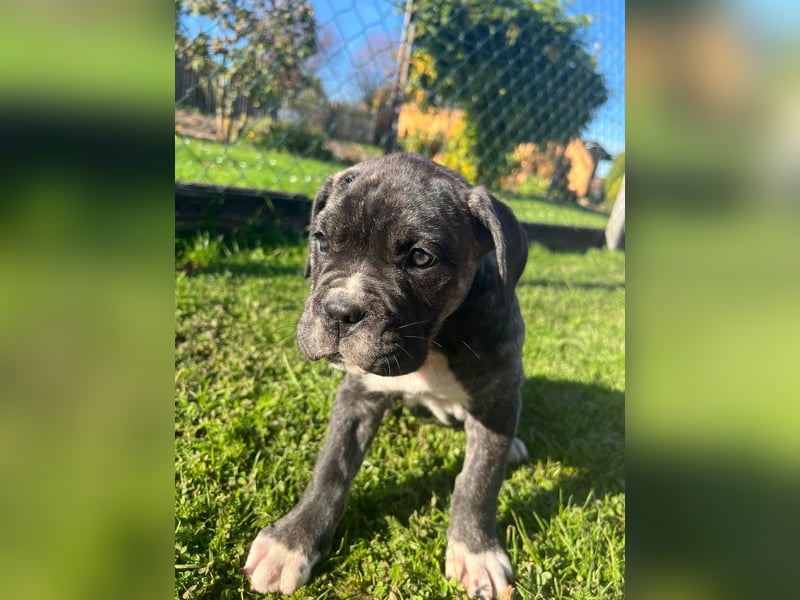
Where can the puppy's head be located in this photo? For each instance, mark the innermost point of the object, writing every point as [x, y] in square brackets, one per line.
[394, 244]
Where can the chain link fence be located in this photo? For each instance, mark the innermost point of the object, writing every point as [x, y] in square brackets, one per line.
[526, 97]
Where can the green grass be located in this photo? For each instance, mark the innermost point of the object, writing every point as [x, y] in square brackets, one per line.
[540, 211]
[243, 165]
[251, 413]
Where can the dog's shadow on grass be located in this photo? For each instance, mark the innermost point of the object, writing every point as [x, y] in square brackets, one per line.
[577, 426]
[249, 269]
[581, 429]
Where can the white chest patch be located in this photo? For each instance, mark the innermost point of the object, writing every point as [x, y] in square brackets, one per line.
[433, 386]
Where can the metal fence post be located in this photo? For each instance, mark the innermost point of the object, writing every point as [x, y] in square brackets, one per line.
[401, 75]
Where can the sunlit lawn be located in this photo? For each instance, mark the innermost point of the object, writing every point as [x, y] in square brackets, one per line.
[251, 413]
[243, 165]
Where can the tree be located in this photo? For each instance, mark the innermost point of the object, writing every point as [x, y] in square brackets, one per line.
[517, 68]
[245, 51]
[374, 63]
[373, 68]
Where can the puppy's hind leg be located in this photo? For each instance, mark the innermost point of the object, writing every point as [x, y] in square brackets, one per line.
[282, 555]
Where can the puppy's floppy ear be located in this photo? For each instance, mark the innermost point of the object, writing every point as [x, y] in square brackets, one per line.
[320, 199]
[505, 234]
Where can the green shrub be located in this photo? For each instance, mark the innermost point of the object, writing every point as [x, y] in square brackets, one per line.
[419, 142]
[532, 185]
[300, 139]
[459, 151]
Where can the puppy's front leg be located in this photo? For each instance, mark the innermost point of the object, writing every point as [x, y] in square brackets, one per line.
[474, 556]
[282, 555]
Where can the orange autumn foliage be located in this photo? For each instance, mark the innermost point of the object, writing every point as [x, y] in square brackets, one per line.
[444, 136]
[440, 134]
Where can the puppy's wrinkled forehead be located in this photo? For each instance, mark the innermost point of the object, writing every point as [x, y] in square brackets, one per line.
[371, 204]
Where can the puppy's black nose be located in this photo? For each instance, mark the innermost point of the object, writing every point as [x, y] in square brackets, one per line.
[344, 310]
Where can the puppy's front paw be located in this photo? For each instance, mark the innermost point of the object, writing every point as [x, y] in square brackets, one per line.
[485, 575]
[273, 567]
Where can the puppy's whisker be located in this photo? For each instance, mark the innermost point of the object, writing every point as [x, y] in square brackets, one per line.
[287, 339]
[406, 351]
[470, 349]
[419, 337]
[397, 362]
[410, 325]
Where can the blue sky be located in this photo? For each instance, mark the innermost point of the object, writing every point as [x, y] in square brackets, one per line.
[350, 24]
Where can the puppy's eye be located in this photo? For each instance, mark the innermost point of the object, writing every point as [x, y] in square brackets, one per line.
[421, 259]
[321, 241]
